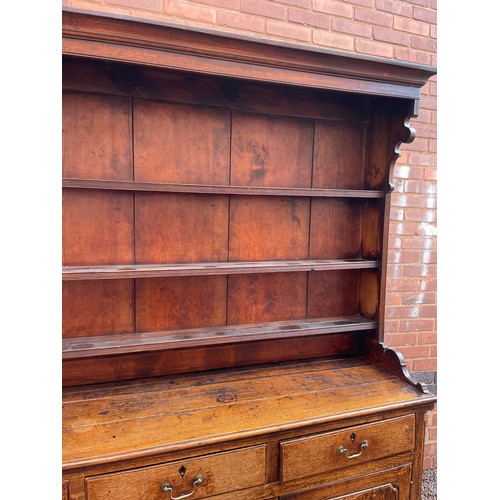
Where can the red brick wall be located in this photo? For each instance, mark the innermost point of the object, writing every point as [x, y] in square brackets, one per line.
[397, 29]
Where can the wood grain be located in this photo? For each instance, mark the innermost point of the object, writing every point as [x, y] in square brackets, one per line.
[339, 155]
[254, 298]
[97, 137]
[97, 227]
[336, 229]
[180, 143]
[271, 151]
[187, 302]
[177, 228]
[253, 220]
[222, 473]
[311, 455]
[97, 308]
[333, 293]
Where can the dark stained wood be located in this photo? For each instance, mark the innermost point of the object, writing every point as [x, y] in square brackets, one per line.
[226, 207]
[97, 308]
[74, 273]
[254, 298]
[97, 228]
[97, 137]
[252, 220]
[239, 95]
[200, 188]
[164, 362]
[177, 228]
[167, 45]
[187, 302]
[271, 151]
[106, 345]
[333, 293]
[336, 227]
[180, 143]
[339, 155]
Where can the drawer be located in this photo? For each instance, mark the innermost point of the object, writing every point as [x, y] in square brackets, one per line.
[318, 454]
[221, 472]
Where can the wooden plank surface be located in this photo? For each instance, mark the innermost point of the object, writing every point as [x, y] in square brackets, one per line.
[76, 273]
[214, 189]
[101, 427]
[105, 345]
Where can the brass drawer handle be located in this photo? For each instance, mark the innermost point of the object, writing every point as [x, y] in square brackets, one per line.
[343, 451]
[166, 487]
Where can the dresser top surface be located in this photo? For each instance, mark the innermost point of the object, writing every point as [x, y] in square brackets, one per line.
[133, 419]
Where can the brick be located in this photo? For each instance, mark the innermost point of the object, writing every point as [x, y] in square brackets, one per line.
[329, 39]
[417, 242]
[393, 7]
[152, 5]
[391, 326]
[428, 462]
[412, 55]
[397, 214]
[414, 352]
[423, 159]
[402, 285]
[352, 27]
[425, 364]
[433, 31]
[392, 299]
[418, 270]
[414, 186]
[84, 4]
[424, 116]
[401, 339]
[432, 146]
[429, 285]
[427, 15]
[407, 200]
[419, 298]
[417, 325]
[286, 30]
[389, 35]
[410, 172]
[427, 338]
[374, 48]
[191, 11]
[401, 312]
[419, 144]
[430, 174]
[263, 8]
[405, 228]
[420, 215]
[365, 3]
[423, 3]
[372, 17]
[394, 241]
[404, 257]
[411, 26]
[433, 88]
[430, 202]
[306, 4]
[431, 434]
[309, 18]
[423, 43]
[226, 4]
[337, 9]
[428, 311]
[241, 21]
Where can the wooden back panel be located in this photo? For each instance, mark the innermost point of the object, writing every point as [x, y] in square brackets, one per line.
[165, 128]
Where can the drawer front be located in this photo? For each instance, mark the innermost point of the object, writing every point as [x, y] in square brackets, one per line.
[391, 484]
[329, 451]
[221, 472]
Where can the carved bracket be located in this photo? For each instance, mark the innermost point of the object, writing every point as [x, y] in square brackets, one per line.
[392, 361]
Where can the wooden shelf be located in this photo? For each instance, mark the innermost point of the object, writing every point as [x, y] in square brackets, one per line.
[214, 189]
[126, 343]
[79, 273]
